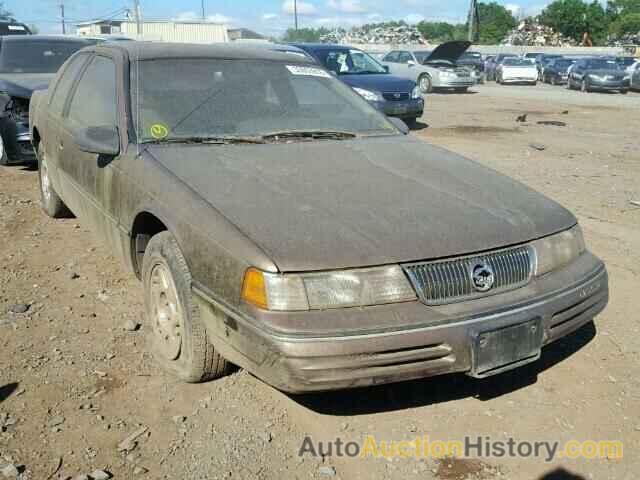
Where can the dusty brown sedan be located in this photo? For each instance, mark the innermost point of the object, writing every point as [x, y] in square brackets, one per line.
[279, 222]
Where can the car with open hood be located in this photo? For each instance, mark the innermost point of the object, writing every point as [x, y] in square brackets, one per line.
[278, 221]
[433, 70]
[598, 74]
[27, 63]
[392, 95]
[517, 70]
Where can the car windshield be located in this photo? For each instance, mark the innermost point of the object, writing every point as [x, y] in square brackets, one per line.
[602, 64]
[206, 98]
[563, 63]
[36, 56]
[626, 61]
[350, 62]
[517, 62]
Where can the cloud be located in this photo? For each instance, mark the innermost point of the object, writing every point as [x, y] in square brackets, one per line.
[304, 8]
[269, 16]
[193, 16]
[516, 10]
[346, 6]
[413, 18]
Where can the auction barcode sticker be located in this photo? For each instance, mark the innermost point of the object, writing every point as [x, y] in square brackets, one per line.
[308, 71]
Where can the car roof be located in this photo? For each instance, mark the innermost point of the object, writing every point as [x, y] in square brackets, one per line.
[48, 38]
[157, 50]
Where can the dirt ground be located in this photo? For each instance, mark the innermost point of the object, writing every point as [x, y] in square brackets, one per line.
[75, 380]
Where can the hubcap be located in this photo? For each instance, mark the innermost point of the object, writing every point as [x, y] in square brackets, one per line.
[45, 183]
[1, 147]
[424, 84]
[166, 313]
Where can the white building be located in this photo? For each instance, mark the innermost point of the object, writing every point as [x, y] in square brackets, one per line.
[160, 31]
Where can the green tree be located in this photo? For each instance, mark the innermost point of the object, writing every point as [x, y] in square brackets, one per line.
[495, 22]
[441, 31]
[575, 17]
[34, 28]
[305, 34]
[5, 14]
[627, 23]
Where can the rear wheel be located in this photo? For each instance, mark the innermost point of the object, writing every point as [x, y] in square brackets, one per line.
[425, 83]
[177, 335]
[51, 202]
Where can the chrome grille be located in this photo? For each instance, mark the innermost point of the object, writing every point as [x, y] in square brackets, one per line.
[450, 281]
[396, 97]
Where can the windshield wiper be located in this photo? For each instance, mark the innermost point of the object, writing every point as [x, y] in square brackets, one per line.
[308, 135]
[212, 140]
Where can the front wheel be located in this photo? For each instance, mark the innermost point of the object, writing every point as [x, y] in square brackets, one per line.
[425, 83]
[584, 86]
[51, 202]
[176, 333]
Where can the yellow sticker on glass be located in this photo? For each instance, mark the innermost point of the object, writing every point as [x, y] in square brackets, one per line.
[159, 131]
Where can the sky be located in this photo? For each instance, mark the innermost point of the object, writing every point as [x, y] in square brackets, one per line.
[270, 17]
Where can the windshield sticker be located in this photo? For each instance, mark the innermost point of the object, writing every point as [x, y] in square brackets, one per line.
[308, 71]
[159, 131]
[17, 27]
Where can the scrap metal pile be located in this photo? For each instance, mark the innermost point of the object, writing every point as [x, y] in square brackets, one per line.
[376, 34]
[628, 39]
[531, 33]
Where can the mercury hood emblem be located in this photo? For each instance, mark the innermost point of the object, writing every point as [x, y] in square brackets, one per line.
[482, 277]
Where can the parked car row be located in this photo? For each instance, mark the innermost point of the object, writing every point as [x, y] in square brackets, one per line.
[588, 74]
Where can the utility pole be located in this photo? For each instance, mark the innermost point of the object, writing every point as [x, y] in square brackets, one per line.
[203, 15]
[64, 30]
[137, 15]
[295, 13]
[473, 21]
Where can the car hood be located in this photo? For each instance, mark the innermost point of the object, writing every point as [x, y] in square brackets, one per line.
[450, 51]
[382, 82]
[338, 204]
[24, 84]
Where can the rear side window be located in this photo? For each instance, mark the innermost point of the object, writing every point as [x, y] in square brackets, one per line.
[392, 57]
[63, 86]
[94, 101]
[404, 57]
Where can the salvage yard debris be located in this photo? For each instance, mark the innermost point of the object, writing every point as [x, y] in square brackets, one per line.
[376, 34]
[531, 33]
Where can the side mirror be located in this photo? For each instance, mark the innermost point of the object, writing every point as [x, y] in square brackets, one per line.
[411, 63]
[399, 124]
[100, 140]
[386, 68]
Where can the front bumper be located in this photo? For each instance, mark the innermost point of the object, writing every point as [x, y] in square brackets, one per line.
[519, 80]
[16, 139]
[608, 85]
[426, 341]
[461, 82]
[403, 109]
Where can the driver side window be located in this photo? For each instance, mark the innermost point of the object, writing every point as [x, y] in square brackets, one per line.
[391, 57]
[94, 102]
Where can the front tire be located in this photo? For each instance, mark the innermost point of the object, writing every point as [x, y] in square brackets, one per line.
[4, 159]
[425, 83]
[51, 202]
[176, 333]
[584, 87]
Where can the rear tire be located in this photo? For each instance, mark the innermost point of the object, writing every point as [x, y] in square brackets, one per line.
[176, 333]
[4, 160]
[51, 202]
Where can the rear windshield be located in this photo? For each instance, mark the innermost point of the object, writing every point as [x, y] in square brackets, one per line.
[518, 62]
[35, 56]
[183, 98]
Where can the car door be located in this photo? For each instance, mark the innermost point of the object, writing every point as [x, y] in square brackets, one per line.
[92, 178]
[406, 66]
[50, 129]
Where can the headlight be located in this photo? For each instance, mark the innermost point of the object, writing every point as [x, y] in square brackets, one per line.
[416, 94]
[595, 77]
[558, 250]
[368, 95]
[323, 290]
[448, 75]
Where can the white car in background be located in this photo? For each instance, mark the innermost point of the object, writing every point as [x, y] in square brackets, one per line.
[517, 70]
[433, 70]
